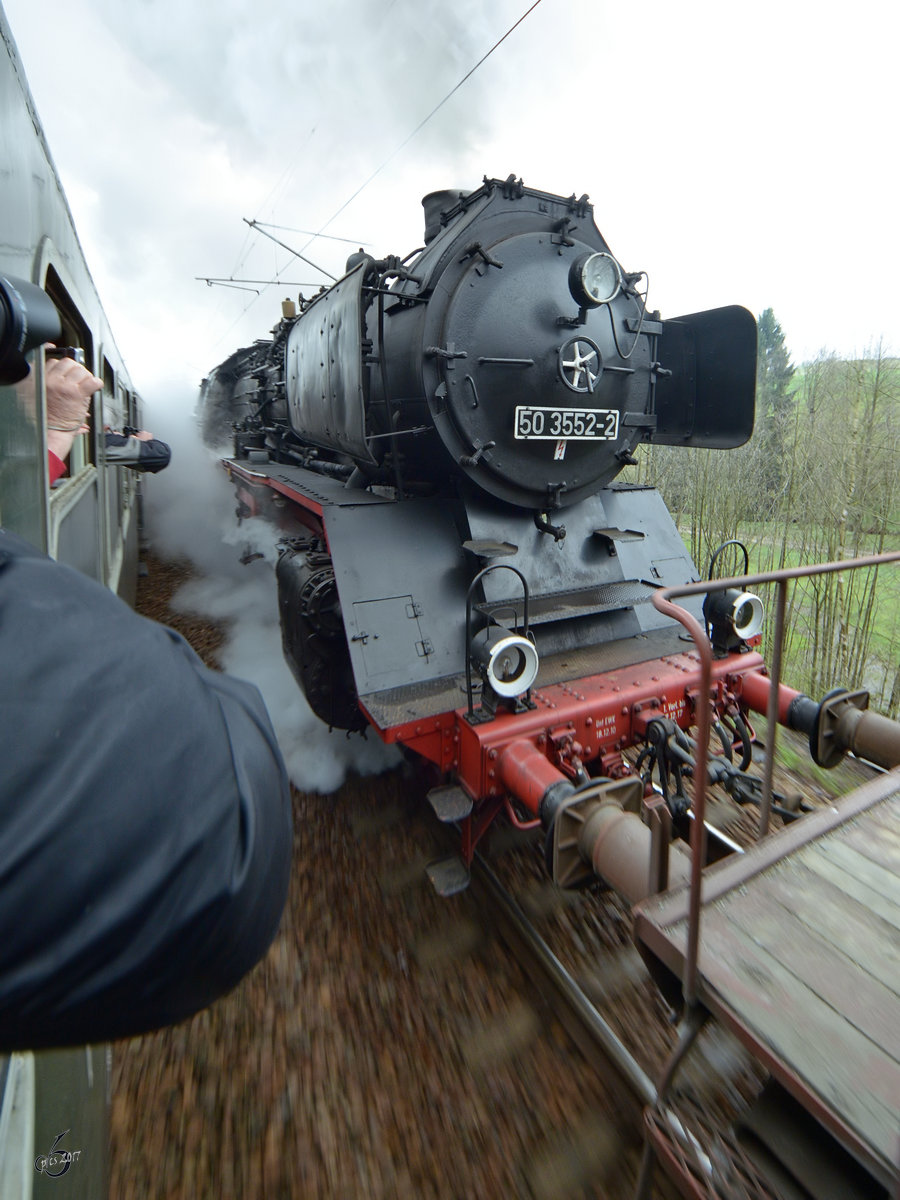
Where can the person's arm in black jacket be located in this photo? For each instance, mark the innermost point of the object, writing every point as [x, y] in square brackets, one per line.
[141, 451]
[145, 826]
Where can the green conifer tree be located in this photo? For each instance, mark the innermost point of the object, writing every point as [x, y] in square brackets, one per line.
[774, 398]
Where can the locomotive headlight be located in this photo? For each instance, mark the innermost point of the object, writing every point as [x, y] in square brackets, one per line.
[507, 662]
[733, 617]
[594, 279]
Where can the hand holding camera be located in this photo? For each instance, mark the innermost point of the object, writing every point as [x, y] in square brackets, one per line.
[69, 387]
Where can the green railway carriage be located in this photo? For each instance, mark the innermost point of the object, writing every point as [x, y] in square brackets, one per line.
[54, 1104]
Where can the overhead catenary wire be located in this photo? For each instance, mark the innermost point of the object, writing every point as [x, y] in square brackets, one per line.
[468, 75]
[308, 233]
[265, 282]
[256, 225]
[290, 249]
[282, 182]
[231, 281]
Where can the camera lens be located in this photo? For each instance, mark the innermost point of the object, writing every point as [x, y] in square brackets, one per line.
[28, 318]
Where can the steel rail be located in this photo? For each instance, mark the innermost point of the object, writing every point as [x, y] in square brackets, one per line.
[599, 1043]
[518, 929]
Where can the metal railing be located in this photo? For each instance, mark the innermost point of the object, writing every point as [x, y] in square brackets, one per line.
[660, 1122]
[663, 601]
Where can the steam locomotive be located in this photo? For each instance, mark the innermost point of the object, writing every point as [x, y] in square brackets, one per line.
[438, 438]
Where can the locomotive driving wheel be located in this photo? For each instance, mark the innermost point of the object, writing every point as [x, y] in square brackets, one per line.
[320, 604]
[313, 637]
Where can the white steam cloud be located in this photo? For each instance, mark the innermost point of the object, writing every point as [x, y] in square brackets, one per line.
[201, 115]
[189, 509]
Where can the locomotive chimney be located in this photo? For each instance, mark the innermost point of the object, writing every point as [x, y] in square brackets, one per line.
[434, 204]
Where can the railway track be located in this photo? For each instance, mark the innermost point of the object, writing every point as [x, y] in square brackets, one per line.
[390, 1044]
[571, 1004]
[395, 1043]
[697, 1141]
[598, 989]
[586, 978]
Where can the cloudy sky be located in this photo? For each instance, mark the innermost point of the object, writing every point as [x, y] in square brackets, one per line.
[738, 153]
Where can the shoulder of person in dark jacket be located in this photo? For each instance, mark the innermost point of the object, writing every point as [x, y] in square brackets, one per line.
[140, 453]
[145, 824]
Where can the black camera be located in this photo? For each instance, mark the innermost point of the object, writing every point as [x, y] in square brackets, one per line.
[75, 352]
[28, 318]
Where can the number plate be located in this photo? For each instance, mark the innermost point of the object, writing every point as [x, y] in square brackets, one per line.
[566, 424]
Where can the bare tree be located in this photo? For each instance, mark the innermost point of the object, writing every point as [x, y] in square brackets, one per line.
[834, 494]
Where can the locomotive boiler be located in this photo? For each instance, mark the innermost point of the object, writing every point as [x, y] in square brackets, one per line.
[438, 438]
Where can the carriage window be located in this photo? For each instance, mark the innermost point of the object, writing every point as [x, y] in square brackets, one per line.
[131, 413]
[111, 401]
[75, 332]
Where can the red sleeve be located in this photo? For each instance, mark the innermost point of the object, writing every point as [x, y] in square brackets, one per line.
[56, 466]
